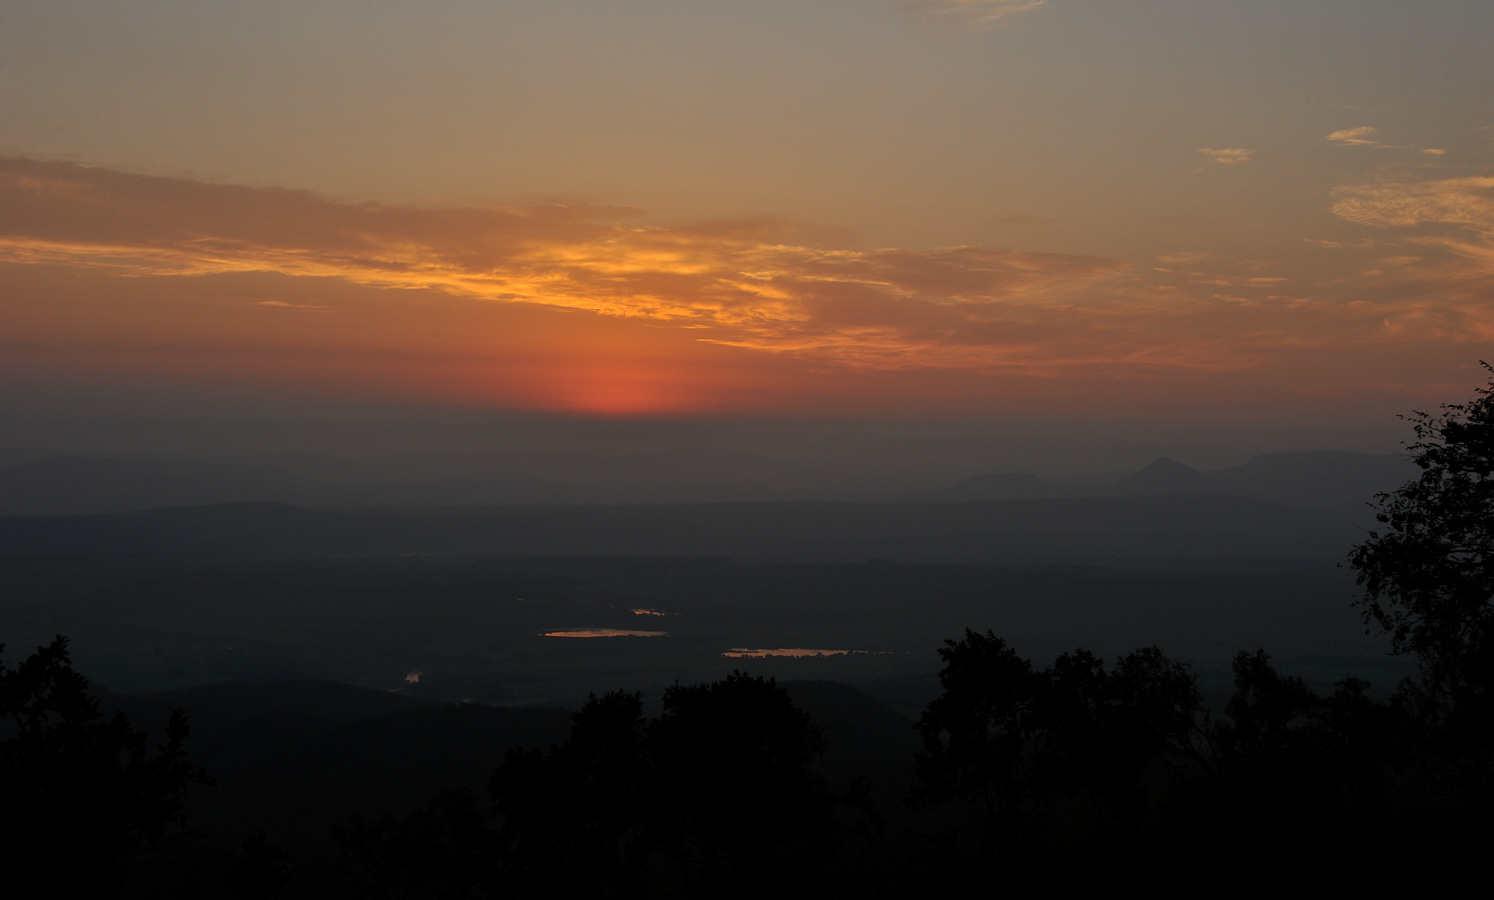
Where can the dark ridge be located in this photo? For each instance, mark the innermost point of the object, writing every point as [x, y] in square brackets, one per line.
[62, 485]
[39, 484]
[1005, 486]
[1312, 478]
[1316, 478]
[1165, 476]
[1119, 530]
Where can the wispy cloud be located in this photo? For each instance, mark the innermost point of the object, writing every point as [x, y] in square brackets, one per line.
[1365, 136]
[744, 283]
[1440, 250]
[757, 284]
[1464, 202]
[1228, 156]
[974, 13]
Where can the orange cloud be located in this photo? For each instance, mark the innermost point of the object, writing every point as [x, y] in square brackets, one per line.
[1449, 291]
[1364, 136]
[745, 284]
[584, 307]
[1465, 202]
[1228, 156]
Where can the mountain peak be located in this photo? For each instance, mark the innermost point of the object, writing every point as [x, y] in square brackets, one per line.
[1168, 465]
[1165, 476]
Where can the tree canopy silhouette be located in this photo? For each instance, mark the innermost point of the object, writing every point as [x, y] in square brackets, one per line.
[719, 790]
[1009, 740]
[574, 818]
[80, 790]
[1428, 572]
[731, 772]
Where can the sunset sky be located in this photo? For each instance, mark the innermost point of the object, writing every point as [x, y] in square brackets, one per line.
[1269, 215]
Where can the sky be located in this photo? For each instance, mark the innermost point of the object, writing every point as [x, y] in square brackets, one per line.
[1217, 226]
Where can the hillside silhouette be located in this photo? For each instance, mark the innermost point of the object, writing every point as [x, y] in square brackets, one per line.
[38, 484]
[1142, 530]
[1318, 478]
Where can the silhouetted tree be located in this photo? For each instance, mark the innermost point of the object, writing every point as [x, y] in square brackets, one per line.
[719, 791]
[976, 734]
[79, 790]
[262, 871]
[1065, 770]
[1010, 740]
[1429, 576]
[1428, 579]
[1299, 783]
[1106, 729]
[445, 850]
[574, 818]
[738, 804]
[1300, 756]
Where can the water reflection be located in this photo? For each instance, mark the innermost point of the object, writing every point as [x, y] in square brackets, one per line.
[604, 632]
[746, 653]
[647, 612]
[413, 677]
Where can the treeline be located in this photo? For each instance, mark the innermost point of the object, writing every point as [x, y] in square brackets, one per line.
[1075, 776]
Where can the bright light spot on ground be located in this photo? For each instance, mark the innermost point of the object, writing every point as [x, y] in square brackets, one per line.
[413, 677]
[744, 653]
[604, 632]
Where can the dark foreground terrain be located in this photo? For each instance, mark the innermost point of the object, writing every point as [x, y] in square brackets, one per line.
[395, 703]
[1079, 776]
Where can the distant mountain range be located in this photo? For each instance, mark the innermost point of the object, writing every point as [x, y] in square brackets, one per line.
[1145, 530]
[1314, 478]
[33, 484]
[63, 485]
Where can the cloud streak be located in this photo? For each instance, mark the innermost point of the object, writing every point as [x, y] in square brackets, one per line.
[746, 283]
[1364, 136]
[1464, 202]
[1440, 251]
[979, 14]
[1228, 156]
[756, 285]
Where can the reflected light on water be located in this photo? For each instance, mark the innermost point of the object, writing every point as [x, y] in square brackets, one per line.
[413, 677]
[745, 653]
[604, 632]
[647, 612]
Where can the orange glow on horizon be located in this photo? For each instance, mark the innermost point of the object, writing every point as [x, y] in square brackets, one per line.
[618, 391]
